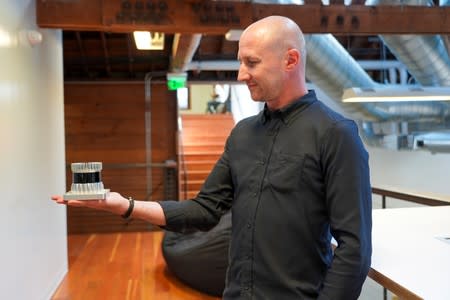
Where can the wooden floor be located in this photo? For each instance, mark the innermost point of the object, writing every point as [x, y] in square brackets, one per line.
[123, 266]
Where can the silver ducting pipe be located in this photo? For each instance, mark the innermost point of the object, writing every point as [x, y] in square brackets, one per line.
[427, 59]
[233, 65]
[446, 38]
[425, 56]
[392, 66]
[213, 65]
[331, 68]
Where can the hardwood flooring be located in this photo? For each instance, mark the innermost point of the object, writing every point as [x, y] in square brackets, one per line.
[122, 266]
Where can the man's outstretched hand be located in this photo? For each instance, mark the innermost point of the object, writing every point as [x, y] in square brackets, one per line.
[114, 203]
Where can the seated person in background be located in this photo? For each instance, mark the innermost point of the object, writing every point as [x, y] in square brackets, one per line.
[212, 107]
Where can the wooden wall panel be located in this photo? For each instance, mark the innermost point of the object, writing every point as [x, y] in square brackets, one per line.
[164, 107]
[105, 122]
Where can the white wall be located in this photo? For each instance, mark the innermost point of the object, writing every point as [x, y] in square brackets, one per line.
[419, 171]
[199, 95]
[33, 252]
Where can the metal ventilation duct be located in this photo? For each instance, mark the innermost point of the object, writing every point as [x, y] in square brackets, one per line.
[391, 125]
[446, 38]
[332, 69]
[427, 59]
[425, 56]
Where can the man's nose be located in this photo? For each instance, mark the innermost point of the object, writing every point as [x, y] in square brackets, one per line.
[242, 73]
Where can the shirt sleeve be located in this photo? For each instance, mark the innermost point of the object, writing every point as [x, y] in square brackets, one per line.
[349, 204]
[205, 210]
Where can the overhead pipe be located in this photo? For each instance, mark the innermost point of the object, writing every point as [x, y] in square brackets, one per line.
[233, 65]
[446, 38]
[332, 69]
[428, 61]
[425, 56]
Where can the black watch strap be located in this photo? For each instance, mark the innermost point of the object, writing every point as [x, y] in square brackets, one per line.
[127, 214]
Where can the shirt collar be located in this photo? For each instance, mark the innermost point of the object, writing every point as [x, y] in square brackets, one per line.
[288, 112]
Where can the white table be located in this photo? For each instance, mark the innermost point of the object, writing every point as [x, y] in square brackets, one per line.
[408, 258]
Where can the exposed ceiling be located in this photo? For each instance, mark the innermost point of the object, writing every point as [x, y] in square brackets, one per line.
[94, 55]
[99, 45]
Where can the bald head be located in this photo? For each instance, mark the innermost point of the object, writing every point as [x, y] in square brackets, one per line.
[272, 56]
[277, 33]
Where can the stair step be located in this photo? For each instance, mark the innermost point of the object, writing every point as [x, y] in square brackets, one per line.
[188, 195]
[208, 155]
[196, 157]
[192, 185]
[202, 149]
[200, 162]
[202, 139]
[203, 117]
[194, 175]
[197, 167]
[202, 142]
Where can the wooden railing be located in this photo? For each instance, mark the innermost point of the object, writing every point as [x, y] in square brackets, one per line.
[420, 198]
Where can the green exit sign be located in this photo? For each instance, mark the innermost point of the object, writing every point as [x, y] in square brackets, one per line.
[176, 80]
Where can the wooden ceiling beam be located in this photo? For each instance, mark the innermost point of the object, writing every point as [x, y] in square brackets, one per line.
[130, 47]
[217, 17]
[183, 50]
[106, 53]
[82, 53]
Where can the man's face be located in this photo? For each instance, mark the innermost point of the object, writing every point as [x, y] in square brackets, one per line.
[261, 66]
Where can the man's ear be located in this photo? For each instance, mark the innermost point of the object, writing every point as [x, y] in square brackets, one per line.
[293, 58]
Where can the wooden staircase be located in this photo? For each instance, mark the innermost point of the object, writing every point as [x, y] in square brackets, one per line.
[201, 142]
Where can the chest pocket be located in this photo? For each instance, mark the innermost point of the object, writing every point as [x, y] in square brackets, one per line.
[284, 172]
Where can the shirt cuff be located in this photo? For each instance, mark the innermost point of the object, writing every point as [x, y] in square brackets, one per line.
[175, 215]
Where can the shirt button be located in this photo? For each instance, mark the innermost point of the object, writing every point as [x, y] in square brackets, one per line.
[249, 225]
[255, 194]
[262, 162]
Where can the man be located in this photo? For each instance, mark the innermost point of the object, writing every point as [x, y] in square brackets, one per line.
[294, 175]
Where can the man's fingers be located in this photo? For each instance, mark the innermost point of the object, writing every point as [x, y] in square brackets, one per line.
[76, 203]
[58, 199]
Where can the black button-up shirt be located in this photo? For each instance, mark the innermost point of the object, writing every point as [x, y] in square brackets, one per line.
[294, 178]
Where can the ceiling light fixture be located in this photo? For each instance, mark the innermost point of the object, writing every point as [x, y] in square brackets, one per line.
[233, 34]
[396, 94]
[146, 40]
